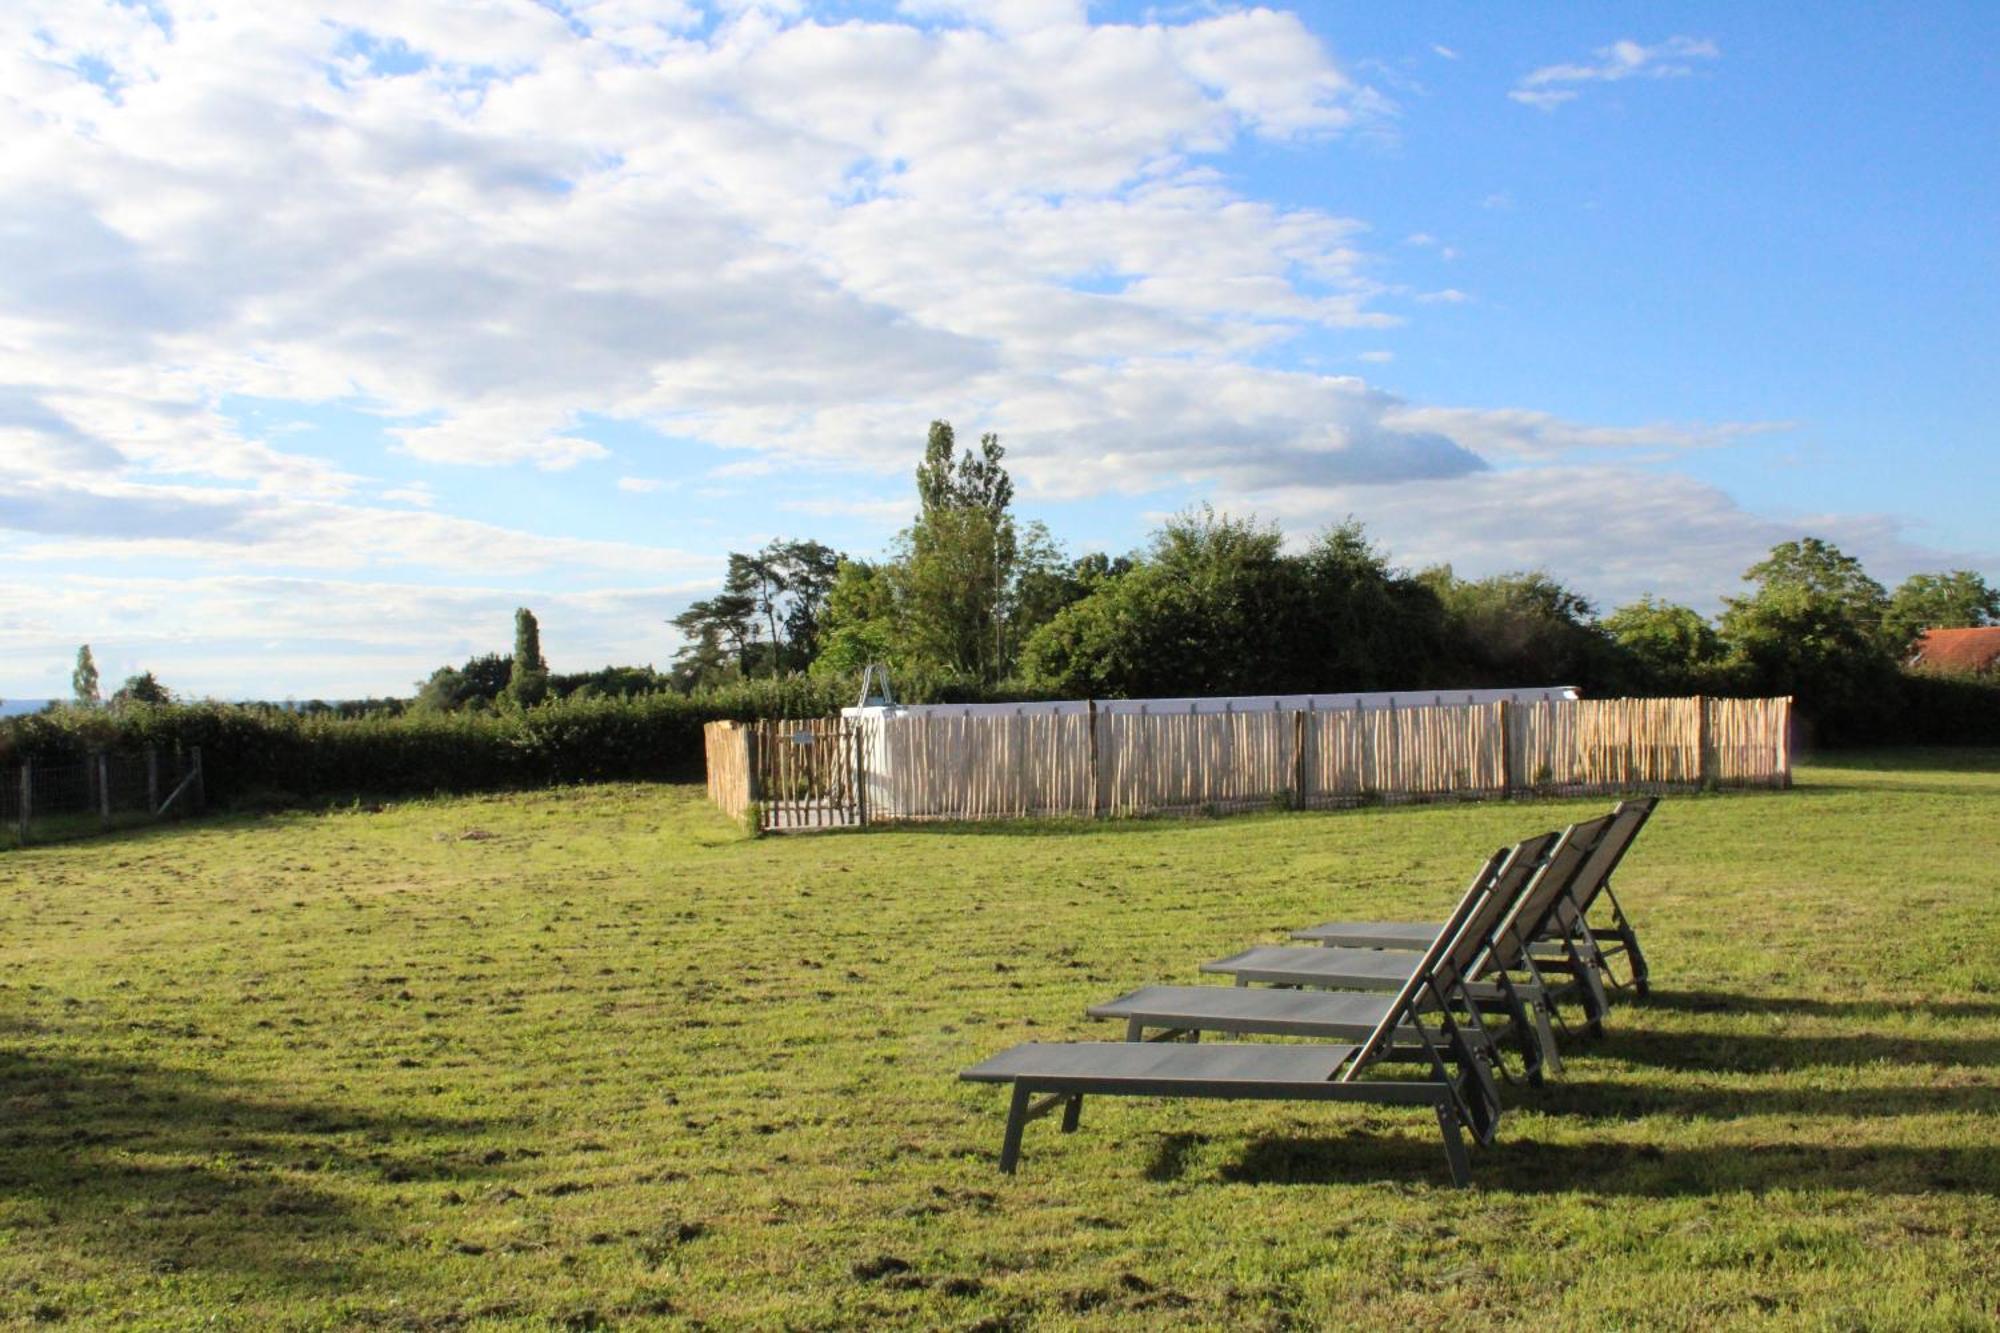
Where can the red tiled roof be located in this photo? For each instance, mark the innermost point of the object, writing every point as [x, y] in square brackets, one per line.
[1959, 649]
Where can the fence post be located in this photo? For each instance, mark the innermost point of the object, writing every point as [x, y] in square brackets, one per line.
[1096, 777]
[103, 789]
[200, 792]
[860, 774]
[27, 796]
[152, 780]
[1785, 741]
[1703, 736]
[1298, 759]
[1506, 749]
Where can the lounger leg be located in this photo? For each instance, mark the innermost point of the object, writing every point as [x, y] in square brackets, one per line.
[1545, 1035]
[1596, 1004]
[1634, 960]
[1017, 1119]
[1071, 1113]
[1135, 1030]
[1454, 1147]
[1535, 1049]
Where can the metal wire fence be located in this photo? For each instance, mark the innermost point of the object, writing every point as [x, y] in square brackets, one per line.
[54, 802]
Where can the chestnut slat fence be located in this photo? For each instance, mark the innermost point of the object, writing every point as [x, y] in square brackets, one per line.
[839, 773]
[727, 746]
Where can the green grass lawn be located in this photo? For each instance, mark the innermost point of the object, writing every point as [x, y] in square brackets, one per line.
[591, 1059]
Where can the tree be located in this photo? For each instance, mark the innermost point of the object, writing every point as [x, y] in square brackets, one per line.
[1524, 629]
[1960, 599]
[1216, 606]
[1812, 627]
[480, 682]
[1673, 648]
[808, 570]
[781, 589]
[958, 561]
[83, 680]
[720, 633]
[1209, 609]
[1818, 573]
[1368, 627]
[761, 580]
[528, 680]
[143, 688]
[860, 622]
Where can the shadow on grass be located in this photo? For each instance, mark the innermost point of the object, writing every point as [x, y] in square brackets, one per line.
[1170, 1159]
[164, 1169]
[1528, 1167]
[1688, 1100]
[1925, 759]
[1812, 788]
[1731, 1053]
[1166, 821]
[1729, 1002]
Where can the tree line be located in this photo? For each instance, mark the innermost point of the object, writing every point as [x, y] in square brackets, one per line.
[971, 603]
[969, 600]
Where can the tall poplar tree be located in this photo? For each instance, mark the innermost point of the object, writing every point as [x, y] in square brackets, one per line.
[83, 680]
[528, 682]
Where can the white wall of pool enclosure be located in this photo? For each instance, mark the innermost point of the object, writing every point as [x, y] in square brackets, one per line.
[1130, 757]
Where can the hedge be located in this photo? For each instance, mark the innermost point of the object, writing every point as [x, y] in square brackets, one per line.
[265, 754]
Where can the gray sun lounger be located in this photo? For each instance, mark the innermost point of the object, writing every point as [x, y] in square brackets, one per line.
[1489, 983]
[1567, 943]
[1341, 1015]
[1047, 1076]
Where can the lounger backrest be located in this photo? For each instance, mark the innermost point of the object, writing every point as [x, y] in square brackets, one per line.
[1627, 818]
[1551, 886]
[1480, 890]
[1517, 878]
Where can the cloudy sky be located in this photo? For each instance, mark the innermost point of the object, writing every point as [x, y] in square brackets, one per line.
[330, 333]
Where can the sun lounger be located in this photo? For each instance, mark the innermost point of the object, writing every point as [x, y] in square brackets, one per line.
[1047, 1076]
[1567, 943]
[1489, 982]
[1174, 1010]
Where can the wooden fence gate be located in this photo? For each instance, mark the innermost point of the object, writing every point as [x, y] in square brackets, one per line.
[806, 774]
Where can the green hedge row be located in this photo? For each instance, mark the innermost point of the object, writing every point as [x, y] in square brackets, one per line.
[256, 753]
[1938, 709]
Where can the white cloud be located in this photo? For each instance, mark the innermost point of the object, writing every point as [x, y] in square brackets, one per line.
[499, 434]
[70, 521]
[495, 229]
[233, 636]
[628, 214]
[1549, 87]
[888, 513]
[1520, 434]
[1613, 532]
[417, 493]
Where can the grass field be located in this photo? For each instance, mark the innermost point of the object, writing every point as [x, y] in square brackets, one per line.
[591, 1059]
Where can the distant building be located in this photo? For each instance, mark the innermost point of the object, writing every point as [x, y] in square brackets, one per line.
[1959, 650]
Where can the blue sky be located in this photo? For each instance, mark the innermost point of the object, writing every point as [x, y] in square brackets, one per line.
[329, 335]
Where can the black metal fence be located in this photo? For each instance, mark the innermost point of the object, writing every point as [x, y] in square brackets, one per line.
[53, 802]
